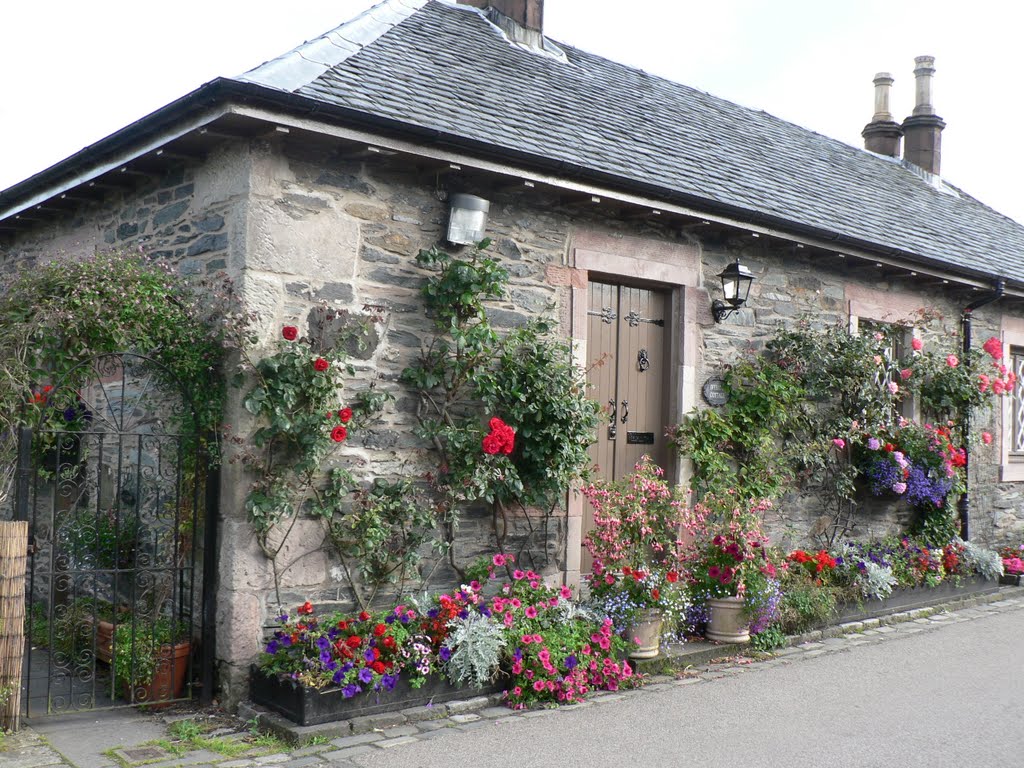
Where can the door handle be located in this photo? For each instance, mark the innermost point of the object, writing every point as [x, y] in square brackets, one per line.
[625, 411]
[612, 418]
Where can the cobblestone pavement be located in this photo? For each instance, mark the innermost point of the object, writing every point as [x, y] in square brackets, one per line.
[391, 731]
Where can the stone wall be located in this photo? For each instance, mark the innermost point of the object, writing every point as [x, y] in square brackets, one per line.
[297, 223]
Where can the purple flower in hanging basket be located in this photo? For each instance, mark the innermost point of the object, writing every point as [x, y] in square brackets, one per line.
[570, 662]
[272, 646]
[445, 653]
[323, 643]
[388, 682]
[338, 677]
[368, 655]
[350, 690]
[365, 675]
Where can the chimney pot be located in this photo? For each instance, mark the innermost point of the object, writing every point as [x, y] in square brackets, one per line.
[923, 73]
[882, 134]
[922, 131]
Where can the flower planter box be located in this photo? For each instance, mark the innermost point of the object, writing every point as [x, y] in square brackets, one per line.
[307, 706]
[912, 599]
[1012, 579]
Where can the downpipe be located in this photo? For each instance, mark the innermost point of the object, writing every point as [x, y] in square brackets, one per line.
[964, 505]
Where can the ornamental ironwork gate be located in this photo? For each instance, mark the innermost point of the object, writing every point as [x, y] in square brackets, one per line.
[112, 479]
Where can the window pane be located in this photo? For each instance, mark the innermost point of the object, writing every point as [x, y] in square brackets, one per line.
[1017, 438]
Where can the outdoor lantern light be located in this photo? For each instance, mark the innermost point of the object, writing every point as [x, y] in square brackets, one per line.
[467, 221]
[736, 280]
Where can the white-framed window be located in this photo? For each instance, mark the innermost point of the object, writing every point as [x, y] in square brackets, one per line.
[1011, 467]
[898, 336]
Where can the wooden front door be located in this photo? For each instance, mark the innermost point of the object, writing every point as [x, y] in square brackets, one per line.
[627, 347]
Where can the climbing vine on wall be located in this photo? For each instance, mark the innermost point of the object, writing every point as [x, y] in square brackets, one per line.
[475, 383]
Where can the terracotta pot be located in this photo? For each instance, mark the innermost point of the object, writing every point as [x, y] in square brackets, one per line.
[104, 641]
[645, 634]
[168, 680]
[727, 622]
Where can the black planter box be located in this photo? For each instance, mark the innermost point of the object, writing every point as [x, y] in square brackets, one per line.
[919, 597]
[1012, 579]
[307, 706]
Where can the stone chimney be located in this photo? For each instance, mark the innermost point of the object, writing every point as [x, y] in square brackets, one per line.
[922, 131]
[882, 134]
[528, 14]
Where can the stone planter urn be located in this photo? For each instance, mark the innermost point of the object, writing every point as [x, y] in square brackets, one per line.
[645, 634]
[727, 622]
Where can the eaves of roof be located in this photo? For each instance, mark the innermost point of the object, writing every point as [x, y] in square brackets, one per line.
[222, 96]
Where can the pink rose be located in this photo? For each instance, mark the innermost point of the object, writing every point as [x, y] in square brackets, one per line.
[893, 387]
[952, 361]
[905, 373]
[839, 443]
[917, 345]
[986, 438]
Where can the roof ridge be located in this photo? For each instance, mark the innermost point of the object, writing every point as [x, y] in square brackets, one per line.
[305, 63]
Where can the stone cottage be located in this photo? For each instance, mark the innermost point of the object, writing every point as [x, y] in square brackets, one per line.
[614, 198]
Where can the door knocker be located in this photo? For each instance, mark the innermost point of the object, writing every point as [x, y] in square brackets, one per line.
[642, 360]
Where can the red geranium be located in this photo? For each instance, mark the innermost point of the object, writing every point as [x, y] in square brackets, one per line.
[364, 616]
[306, 608]
[380, 629]
[290, 332]
[320, 364]
[338, 434]
[354, 641]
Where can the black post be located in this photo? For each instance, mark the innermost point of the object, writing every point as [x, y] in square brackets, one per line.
[209, 632]
[23, 474]
[964, 504]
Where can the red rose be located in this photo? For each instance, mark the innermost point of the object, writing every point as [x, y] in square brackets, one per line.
[306, 608]
[320, 364]
[338, 434]
[345, 414]
[491, 444]
[290, 332]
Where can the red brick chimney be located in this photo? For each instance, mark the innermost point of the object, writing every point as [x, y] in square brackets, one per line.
[526, 13]
[922, 131]
[882, 134]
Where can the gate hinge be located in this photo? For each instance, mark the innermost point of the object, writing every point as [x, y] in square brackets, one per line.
[32, 547]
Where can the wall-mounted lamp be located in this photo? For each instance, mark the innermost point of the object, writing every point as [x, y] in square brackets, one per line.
[467, 220]
[736, 280]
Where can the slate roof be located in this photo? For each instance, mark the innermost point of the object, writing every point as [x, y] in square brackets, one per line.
[436, 66]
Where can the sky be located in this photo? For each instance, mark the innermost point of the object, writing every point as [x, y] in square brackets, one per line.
[73, 72]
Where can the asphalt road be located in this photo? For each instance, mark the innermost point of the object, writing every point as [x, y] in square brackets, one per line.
[931, 693]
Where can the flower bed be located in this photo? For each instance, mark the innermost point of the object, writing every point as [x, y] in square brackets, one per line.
[308, 706]
[904, 599]
[541, 646]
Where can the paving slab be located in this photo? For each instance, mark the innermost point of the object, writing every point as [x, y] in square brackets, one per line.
[84, 737]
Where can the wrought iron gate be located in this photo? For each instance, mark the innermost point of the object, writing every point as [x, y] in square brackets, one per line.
[111, 479]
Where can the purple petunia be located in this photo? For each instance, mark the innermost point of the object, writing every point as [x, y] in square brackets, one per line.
[350, 690]
[365, 675]
[445, 653]
[272, 646]
[570, 662]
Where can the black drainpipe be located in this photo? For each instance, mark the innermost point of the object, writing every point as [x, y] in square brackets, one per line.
[965, 330]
